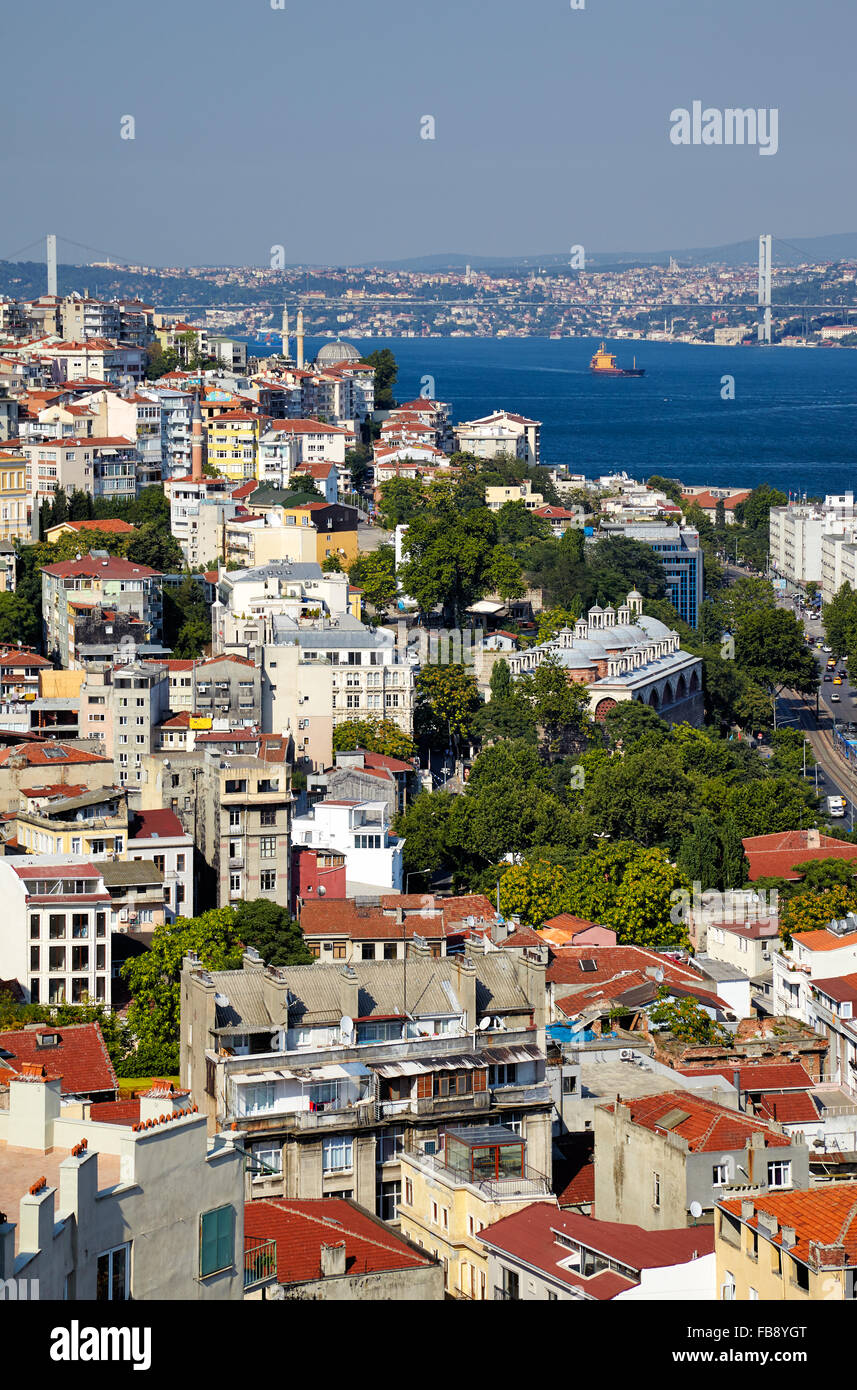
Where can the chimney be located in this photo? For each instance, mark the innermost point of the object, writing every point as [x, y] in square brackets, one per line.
[34, 1104]
[418, 948]
[251, 960]
[789, 1237]
[768, 1223]
[36, 1224]
[349, 987]
[162, 1098]
[463, 982]
[531, 977]
[813, 839]
[332, 1260]
[748, 1210]
[275, 992]
[79, 1185]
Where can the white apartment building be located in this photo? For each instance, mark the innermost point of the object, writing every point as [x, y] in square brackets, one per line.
[160, 837]
[501, 433]
[98, 1206]
[828, 954]
[248, 601]
[361, 831]
[805, 541]
[56, 928]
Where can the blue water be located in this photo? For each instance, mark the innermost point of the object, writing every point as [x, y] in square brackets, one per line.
[792, 422]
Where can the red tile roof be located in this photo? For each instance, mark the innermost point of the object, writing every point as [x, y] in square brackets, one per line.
[611, 961]
[774, 855]
[793, 1109]
[116, 1112]
[757, 1076]
[709, 1126]
[164, 824]
[574, 1170]
[110, 525]
[80, 1057]
[522, 936]
[531, 1236]
[113, 568]
[301, 1227]
[36, 754]
[819, 1214]
[843, 988]
[825, 940]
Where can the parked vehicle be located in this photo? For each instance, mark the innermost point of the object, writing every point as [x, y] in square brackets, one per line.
[835, 806]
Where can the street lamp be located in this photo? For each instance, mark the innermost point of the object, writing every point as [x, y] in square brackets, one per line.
[410, 875]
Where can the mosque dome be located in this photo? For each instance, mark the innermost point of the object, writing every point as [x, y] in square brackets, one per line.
[337, 351]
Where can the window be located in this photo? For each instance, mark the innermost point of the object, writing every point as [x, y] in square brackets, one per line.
[780, 1174]
[268, 880]
[391, 950]
[100, 923]
[409, 1192]
[269, 1160]
[235, 883]
[336, 1153]
[216, 1240]
[56, 926]
[266, 818]
[511, 1284]
[34, 958]
[113, 1273]
[268, 846]
[180, 860]
[720, 1175]
[367, 950]
[727, 1288]
[35, 930]
[339, 950]
[656, 1189]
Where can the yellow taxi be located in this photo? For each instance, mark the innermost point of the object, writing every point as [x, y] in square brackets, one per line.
[837, 680]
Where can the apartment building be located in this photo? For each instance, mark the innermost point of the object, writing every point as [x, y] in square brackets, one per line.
[331, 1073]
[797, 1247]
[358, 775]
[476, 1176]
[37, 763]
[159, 836]
[827, 954]
[101, 466]
[237, 807]
[56, 938]
[307, 441]
[314, 678]
[501, 434]
[665, 1160]
[139, 702]
[98, 579]
[804, 539]
[58, 820]
[380, 928]
[14, 497]
[294, 529]
[198, 509]
[233, 444]
[248, 600]
[360, 831]
[118, 1201]
[542, 1254]
[95, 358]
[497, 497]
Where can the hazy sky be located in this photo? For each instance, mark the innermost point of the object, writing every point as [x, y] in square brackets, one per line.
[301, 126]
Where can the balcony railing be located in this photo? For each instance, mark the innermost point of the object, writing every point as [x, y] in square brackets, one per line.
[530, 1183]
[504, 1295]
[260, 1261]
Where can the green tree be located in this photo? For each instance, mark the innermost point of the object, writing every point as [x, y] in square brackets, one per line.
[386, 374]
[770, 649]
[670, 487]
[154, 981]
[271, 931]
[504, 574]
[754, 511]
[535, 891]
[157, 547]
[687, 1020]
[447, 699]
[631, 890]
[814, 910]
[839, 618]
[630, 721]
[399, 501]
[375, 575]
[375, 736]
[187, 621]
[449, 560]
[559, 707]
[700, 855]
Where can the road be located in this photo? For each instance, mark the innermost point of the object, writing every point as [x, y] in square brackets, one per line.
[835, 777]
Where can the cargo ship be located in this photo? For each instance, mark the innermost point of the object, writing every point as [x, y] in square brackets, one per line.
[604, 363]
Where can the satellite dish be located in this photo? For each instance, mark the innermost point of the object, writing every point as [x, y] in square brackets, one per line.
[321, 890]
[659, 975]
[483, 1024]
[696, 1210]
[346, 1026]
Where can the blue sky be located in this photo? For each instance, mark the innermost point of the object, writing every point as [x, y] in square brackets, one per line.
[301, 126]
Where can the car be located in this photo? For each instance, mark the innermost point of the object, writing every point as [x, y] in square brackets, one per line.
[837, 680]
[827, 649]
[835, 699]
[827, 676]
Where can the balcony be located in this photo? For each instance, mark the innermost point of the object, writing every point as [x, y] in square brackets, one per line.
[505, 1295]
[260, 1262]
[530, 1183]
[521, 1095]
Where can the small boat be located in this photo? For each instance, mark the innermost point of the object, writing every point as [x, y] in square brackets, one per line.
[604, 364]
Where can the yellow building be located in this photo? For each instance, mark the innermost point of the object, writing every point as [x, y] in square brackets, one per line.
[53, 825]
[335, 528]
[233, 444]
[447, 1198]
[798, 1246]
[13, 496]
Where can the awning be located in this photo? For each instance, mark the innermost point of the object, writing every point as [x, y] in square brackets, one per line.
[499, 1055]
[452, 1062]
[335, 1073]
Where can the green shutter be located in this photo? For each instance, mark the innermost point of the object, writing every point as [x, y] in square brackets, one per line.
[216, 1241]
